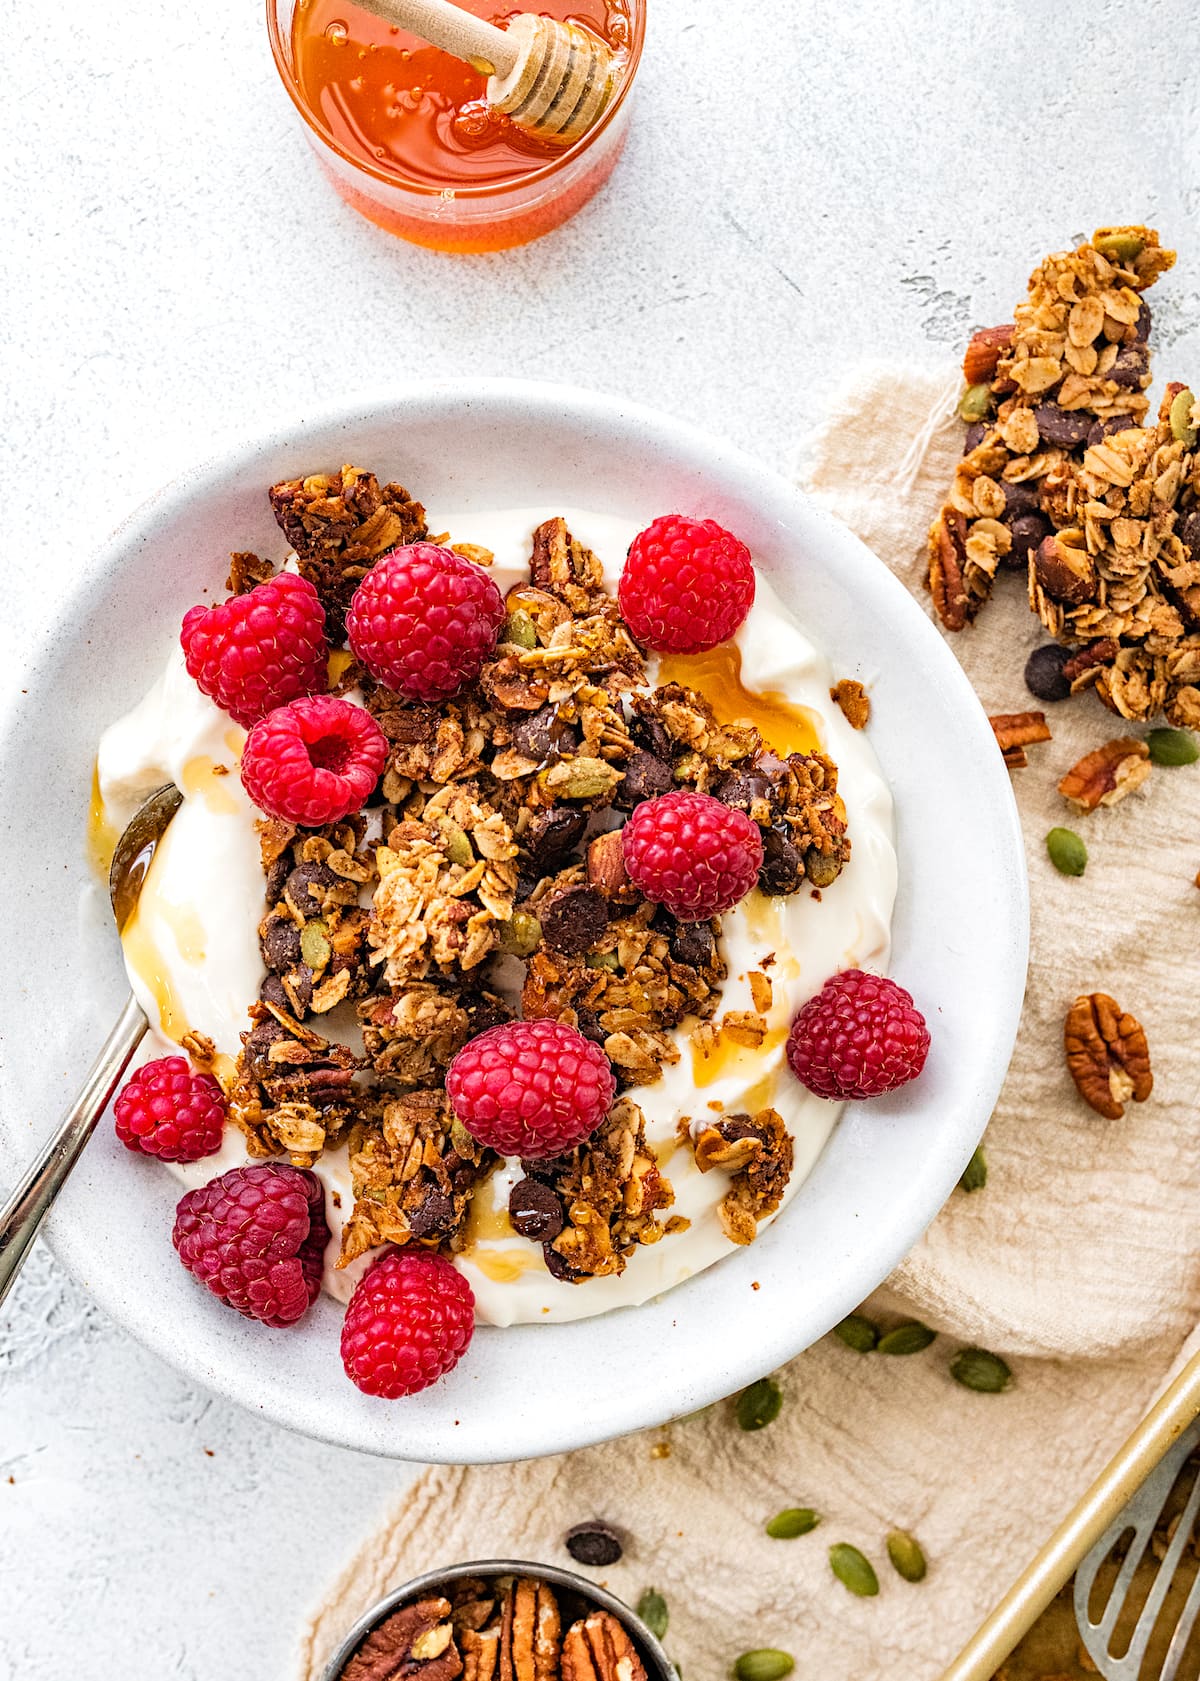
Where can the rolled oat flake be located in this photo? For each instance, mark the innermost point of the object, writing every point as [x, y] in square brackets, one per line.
[595, 1543]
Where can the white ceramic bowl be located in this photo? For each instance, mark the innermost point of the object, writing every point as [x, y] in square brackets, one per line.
[960, 931]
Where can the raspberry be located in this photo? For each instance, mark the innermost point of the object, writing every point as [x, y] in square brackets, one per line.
[860, 1036]
[530, 1088]
[423, 621]
[257, 651]
[687, 584]
[256, 1236]
[692, 854]
[168, 1110]
[409, 1322]
[314, 761]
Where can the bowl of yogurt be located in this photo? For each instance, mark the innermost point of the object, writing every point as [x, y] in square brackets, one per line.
[695, 1315]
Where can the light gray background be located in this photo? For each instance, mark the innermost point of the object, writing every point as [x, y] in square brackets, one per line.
[174, 274]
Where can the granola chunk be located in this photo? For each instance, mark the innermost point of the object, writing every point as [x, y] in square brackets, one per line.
[643, 975]
[293, 1090]
[313, 936]
[758, 1152]
[1069, 477]
[413, 1172]
[430, 744]
[447, 880]
[412, 1034]
[612, 1190]
[854, 702]
[339, 524]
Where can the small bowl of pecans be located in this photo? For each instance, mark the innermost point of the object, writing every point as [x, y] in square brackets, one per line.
[500, 1618]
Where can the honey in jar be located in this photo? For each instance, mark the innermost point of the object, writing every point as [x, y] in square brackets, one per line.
[405, 133]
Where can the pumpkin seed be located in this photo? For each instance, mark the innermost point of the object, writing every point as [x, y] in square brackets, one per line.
[1173, 747]
[1122, 245]
[521, 935]
[975, 1368]
[1067, 852]
[759, 1405]
[857, 1333]
[519, 628]
[853, 1570]
[975, 402]
[974, 1175]
[456, 846]
[652, 1609]
[794, 1521]
[588, 778]
[907, 1558]
[1181, 418]
[909, 1338]
[315, 948]
[603, 960]
[461, 1141]
[766, 1664]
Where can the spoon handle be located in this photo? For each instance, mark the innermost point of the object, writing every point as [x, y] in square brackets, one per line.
[23, 1213]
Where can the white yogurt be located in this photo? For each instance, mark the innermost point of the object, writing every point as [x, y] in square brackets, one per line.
[193, 960]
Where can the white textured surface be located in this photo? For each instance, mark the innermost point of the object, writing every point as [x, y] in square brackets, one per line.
[175, 274]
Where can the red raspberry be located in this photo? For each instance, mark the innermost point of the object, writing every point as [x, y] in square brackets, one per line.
[423, 621]
[168, 1110]
[687, 584]
[256, 1236]
[257, 651]
[692, 854]
[860, 1036]
[314, 761]
[530, 1088]
[409, 1322]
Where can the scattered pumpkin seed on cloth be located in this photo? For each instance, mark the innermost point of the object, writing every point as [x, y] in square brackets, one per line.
[1075, 1264]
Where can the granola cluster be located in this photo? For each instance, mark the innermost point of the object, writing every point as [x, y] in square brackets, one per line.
[497, 1629]
[390, 939]
[1066, 474]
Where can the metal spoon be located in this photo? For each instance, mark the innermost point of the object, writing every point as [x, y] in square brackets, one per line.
[23, 1213]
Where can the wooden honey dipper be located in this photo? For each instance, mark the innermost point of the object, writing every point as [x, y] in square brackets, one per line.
[554, 79]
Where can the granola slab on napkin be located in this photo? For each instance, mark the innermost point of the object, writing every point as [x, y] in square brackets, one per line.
[1076, 1261]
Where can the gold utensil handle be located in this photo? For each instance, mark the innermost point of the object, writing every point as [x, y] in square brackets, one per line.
[1124, 1474]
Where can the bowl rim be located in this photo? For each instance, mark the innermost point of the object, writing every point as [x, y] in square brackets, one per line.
[68, 1237]
[555, 1574]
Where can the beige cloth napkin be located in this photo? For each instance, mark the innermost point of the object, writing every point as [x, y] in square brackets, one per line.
[1077, 1260]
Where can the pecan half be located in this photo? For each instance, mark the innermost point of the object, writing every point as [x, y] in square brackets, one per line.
[1107, 774]
[947, 553]
[417, 1640]
[1107, 1054]
[984, 352]
[597, 1648]
[1064, 568]
[1019, 729]
[530, 1632]
[1085, 666]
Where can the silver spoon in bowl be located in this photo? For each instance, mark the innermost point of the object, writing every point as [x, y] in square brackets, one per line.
[23, 1213]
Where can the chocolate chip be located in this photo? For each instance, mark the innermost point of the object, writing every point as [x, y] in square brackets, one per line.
[559, 1267]
[976, 432]
[1062, 427]
[276, 876]
[434, 1214]
[744, 788]
[1044, 672]
[782, 866]
[542, 734]
[692, 943]
[652, 737]
[645, 778]
[588, 1023]
[485, 1010]
[300, 980]
[1027, 532]
[1102, 429]
[300, 884]
[271, 992]
[258, 1043]
[1019, 499]
[1142, 325]
[1131, 365]
[535, 1210]
[552, 834]
[573, 918]
[593, 1543]
[281, 944]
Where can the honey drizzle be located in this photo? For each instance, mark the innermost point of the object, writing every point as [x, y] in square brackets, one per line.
[102, 834]
[200, 779]
[717, 674]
